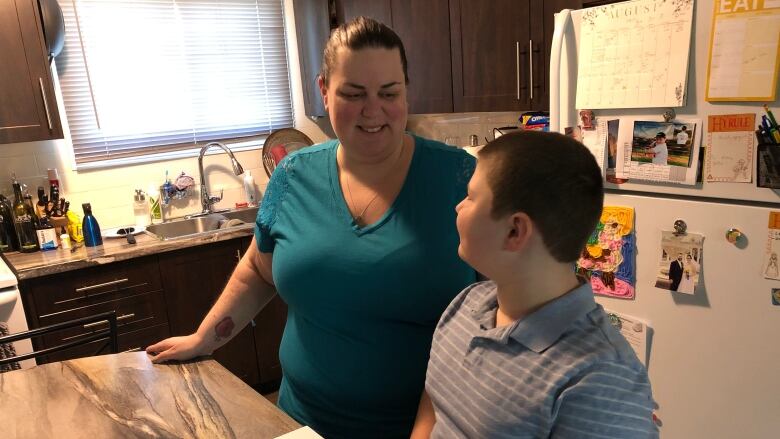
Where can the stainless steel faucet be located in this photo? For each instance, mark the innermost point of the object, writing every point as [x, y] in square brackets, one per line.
[206, 200]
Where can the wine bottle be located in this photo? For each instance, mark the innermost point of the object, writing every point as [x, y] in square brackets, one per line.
[23, 222]
[28, 204]
[7, 229]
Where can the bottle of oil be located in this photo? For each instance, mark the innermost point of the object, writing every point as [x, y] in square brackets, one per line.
[24, 222]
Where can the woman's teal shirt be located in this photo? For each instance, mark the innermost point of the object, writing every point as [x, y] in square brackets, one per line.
[362, 302]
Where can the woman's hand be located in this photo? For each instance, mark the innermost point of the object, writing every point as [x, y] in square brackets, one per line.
[177, 348]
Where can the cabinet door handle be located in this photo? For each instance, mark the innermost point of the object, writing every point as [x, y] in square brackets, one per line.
[531, 67]
[517, 67]
[104, 284]
[103, 322]
[135, 349]
[45, 102]
[238, 255]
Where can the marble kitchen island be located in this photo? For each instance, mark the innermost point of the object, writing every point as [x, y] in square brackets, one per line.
[125, 395]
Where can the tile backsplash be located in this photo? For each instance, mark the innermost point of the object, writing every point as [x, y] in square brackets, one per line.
[110, 191]
[456, 128]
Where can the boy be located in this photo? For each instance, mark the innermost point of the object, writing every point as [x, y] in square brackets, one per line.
[530, 353]
[659, 149]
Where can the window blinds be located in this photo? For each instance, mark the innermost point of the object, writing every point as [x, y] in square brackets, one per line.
[141, 77]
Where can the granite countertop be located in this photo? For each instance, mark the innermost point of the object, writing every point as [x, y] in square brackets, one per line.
[43, 263]
[125, 395]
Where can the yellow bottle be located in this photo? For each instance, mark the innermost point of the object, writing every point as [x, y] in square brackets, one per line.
[74, 226]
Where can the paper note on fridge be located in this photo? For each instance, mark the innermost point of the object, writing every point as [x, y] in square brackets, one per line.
[771, 268]
[729, 149]
[634, 54]
[634, 330]
[744, 59]
[655, 151]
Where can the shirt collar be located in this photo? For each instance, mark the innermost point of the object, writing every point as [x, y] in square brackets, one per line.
[540, 329]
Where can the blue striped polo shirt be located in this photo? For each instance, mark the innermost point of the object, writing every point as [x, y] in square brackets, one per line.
[562, 371]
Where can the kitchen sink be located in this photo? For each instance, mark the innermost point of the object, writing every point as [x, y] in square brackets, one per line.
[203, 225]
[247, 215]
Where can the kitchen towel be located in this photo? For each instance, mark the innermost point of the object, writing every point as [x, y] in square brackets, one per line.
[7, 351]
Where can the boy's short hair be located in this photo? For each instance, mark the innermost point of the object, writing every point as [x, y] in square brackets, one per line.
[554, 179]
[660, 135]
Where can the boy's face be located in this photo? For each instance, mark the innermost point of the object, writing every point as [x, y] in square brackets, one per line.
[481, 236]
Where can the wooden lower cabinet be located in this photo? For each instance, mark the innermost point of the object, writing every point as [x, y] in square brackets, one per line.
[156, 297]
[192, 280]
[130, 288]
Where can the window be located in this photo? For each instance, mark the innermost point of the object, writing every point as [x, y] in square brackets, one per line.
[143, 77]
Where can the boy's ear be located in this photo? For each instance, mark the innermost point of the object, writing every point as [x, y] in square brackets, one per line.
[520, 230]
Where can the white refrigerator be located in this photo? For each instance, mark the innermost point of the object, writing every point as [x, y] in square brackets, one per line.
[714, 356]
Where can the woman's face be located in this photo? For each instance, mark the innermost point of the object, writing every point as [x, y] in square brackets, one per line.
[366, 101]
[688, 258]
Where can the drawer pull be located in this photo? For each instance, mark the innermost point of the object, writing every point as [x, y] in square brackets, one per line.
[122, 317]
[104, 284]
[517, 67]
[136, 349]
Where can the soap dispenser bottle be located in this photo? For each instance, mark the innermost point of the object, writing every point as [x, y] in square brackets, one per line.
[140, 209]
[249, 189]
[90, 228]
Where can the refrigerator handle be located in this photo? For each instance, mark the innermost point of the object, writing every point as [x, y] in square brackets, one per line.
[562, 21]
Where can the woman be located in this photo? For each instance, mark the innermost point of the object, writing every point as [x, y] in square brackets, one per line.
[358, 236]
[690, 275]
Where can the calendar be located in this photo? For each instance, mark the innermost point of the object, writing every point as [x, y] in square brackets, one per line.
[634, 54]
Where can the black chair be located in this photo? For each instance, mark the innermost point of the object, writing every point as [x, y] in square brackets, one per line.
[109, 334]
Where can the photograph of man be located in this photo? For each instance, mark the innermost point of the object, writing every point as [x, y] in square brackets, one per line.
[676, 272]
[682, 136]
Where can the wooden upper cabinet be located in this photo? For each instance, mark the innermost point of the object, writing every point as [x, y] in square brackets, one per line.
[380, 10]
[490, 44]
[28, 108]
[423, 26]
[471, 55]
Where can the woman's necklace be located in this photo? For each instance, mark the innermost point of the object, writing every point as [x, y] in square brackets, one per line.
[359, 219]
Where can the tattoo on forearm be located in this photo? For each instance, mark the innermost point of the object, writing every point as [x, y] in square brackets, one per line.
[224, 328]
